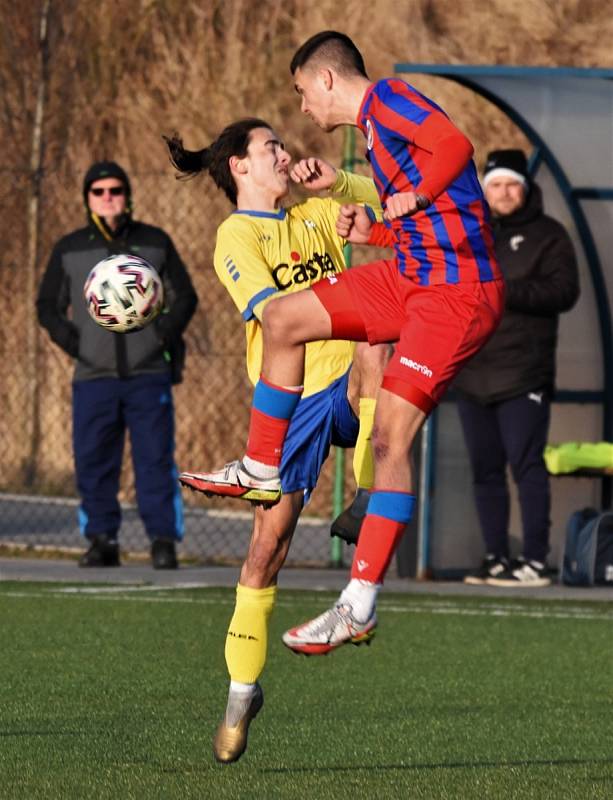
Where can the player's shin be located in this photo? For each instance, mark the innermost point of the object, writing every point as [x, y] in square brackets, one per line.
[363, 463]
[387, 516]
[247, 637]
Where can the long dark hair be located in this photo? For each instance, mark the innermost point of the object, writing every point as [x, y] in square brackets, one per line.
[232, 141]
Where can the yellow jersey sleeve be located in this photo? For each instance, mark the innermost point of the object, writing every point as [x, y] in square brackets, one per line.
[241, 266]
[351, 188]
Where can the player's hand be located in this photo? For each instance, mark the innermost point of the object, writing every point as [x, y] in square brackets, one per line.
[404, 204]
[353, 224]
[314, 173]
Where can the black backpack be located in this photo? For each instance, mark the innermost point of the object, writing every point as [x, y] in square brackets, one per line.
[588, 552]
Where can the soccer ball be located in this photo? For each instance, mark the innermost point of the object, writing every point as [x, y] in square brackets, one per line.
[123, 293]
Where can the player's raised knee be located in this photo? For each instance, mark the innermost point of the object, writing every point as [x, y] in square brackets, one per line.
[277, 321]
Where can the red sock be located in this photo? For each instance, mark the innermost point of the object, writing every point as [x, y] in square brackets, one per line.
[266, 437]
[375, 548]
[271, 411]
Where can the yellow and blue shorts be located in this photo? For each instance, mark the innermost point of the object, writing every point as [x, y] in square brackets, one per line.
[319, 421]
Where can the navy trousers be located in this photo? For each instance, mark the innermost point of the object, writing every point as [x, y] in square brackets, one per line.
[512, 432]
[103, 410]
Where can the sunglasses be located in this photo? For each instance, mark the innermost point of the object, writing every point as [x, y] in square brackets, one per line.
[115, 191]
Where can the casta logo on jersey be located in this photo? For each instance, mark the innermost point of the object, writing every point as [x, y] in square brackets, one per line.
[286, 275]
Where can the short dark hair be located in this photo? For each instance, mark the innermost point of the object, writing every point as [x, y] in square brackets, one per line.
[335, 48]
[232, 141]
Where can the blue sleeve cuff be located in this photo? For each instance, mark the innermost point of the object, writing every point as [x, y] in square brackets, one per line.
[249, 313]
[371, 214]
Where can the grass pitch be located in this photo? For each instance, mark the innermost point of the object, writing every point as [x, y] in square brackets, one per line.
[115, 692]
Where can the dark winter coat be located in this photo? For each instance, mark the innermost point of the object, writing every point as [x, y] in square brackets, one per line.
[538, 261]
[100, 353]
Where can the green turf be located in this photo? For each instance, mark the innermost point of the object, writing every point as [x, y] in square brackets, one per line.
[118, 696]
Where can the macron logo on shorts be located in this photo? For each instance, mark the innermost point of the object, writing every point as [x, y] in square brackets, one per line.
[408, 362]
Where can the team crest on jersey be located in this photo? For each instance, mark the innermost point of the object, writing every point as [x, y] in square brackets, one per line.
[370, 136]
[309, 271]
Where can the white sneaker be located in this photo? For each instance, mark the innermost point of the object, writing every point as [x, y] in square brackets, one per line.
[330, 630]
[234, 481]
[522, 573]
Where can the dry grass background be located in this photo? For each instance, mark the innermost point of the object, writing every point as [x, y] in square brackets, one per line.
[118, 74]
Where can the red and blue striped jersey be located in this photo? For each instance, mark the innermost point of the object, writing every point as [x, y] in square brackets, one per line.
[450, 241]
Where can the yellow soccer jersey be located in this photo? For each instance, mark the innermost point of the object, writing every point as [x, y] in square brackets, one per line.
[260, 255]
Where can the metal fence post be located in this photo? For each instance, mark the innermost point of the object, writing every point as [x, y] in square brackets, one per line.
[336, 548]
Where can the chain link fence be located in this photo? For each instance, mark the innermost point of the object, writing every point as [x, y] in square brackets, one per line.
[38, 500]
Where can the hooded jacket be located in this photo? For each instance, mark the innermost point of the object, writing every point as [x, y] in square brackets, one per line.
[538, 262]
[101, 353]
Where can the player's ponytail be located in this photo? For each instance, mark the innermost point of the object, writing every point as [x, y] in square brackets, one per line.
[232, 141]
[189, 162]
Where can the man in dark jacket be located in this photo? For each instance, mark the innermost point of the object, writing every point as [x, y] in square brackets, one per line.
[120, 381]
[505, 391]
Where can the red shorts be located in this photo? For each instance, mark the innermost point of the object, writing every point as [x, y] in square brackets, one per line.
[436, 328]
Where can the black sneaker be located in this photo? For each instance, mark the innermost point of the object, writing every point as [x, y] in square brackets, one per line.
[103, 552]
[490, 567]
[522, 573]
[348, 523]
[164, 554]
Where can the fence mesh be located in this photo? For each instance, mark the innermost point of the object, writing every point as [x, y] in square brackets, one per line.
[38, 499]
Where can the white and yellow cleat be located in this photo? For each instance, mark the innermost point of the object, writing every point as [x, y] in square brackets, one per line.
[234, 481]
[335, 627]
[230, 741]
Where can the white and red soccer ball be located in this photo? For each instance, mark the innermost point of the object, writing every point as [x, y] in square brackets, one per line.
[123, 293]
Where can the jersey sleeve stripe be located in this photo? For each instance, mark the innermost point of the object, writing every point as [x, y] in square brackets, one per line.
[249, 312]
[400, 87]
[399, 126]
[472, 220]
[406, 104]
[444, 241]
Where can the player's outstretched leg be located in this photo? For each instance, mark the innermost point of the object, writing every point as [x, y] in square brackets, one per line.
[352, 619]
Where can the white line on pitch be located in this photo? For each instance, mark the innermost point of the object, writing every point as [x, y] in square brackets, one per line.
[411, 608]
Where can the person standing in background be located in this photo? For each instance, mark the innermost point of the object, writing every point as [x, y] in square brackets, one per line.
[505, 391]
[121, 382]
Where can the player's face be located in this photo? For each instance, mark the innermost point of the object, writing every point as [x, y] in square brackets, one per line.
[315, 97]
[107, 198]
[505, 195]
[268, 162]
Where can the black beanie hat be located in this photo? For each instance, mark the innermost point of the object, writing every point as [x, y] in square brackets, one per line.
[506, 162]
[105, 169]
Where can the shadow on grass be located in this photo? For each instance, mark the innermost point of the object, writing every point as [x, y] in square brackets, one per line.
[319, 768]
[537, 762]
[6, 734]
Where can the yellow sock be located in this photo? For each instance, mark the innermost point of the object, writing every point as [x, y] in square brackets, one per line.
[248, 633]
[363, 466]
